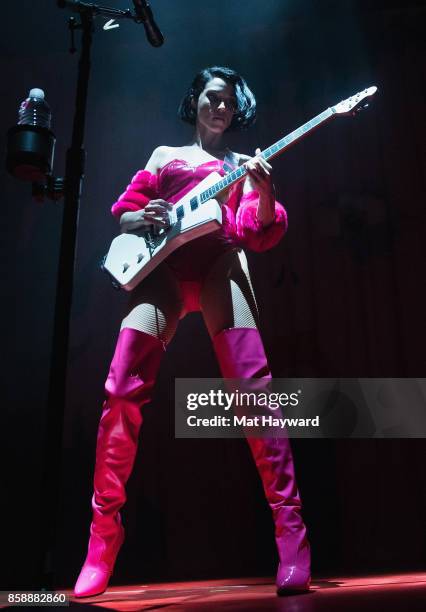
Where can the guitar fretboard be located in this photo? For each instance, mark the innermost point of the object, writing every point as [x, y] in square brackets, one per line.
[269, 153]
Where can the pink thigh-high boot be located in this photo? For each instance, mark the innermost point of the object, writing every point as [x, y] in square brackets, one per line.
[241, 354]
[129, 385]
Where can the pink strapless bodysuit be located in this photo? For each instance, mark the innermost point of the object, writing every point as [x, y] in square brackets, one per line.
[192, 261]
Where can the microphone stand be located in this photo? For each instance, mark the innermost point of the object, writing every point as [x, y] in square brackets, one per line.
[74, 174]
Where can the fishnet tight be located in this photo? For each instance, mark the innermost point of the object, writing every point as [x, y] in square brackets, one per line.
[226, 299]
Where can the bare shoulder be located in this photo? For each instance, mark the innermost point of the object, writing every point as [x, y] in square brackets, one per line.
[159, 157]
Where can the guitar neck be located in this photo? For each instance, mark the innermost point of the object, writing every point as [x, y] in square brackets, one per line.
[278, 147]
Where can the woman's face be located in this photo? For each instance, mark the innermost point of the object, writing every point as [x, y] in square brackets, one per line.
[216, 105]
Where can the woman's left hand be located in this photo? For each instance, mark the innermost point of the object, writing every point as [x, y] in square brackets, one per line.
[260, 174]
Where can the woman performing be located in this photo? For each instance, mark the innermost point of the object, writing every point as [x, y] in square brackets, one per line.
[208, 274]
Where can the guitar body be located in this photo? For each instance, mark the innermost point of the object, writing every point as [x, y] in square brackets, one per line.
[131, 257]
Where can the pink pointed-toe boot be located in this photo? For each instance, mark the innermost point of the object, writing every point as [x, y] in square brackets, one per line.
[129, 385]
[241, 354]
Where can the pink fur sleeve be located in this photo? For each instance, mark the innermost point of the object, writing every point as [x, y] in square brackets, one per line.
[141, 190]
[251, 232]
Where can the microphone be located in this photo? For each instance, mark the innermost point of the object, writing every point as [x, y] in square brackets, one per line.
[144, 15]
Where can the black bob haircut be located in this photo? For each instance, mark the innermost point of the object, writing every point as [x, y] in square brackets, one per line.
[245, 114]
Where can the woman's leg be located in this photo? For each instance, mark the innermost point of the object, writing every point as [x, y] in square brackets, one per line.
[149, 324]
[230, 312]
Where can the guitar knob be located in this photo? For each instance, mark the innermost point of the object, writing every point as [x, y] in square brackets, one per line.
[140, 257]
[126, 266]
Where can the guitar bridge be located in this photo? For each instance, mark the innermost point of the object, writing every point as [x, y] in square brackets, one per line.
[153, 236]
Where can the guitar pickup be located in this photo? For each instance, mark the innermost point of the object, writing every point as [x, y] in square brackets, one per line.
[194, 203]
[180, 212]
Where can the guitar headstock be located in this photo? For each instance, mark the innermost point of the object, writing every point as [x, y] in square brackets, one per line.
[355, 103]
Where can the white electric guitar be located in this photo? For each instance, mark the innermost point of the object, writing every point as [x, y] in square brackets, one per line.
[132, 256]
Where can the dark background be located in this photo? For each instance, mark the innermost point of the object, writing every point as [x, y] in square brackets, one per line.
[342, 295]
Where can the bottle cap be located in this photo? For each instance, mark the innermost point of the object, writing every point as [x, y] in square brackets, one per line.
[36, 93]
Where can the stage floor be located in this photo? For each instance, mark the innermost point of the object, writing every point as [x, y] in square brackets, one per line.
[388, 592]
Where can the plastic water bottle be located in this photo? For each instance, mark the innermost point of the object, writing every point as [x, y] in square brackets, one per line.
[35, 110]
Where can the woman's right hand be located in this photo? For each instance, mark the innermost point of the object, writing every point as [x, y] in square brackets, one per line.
[156, 213]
